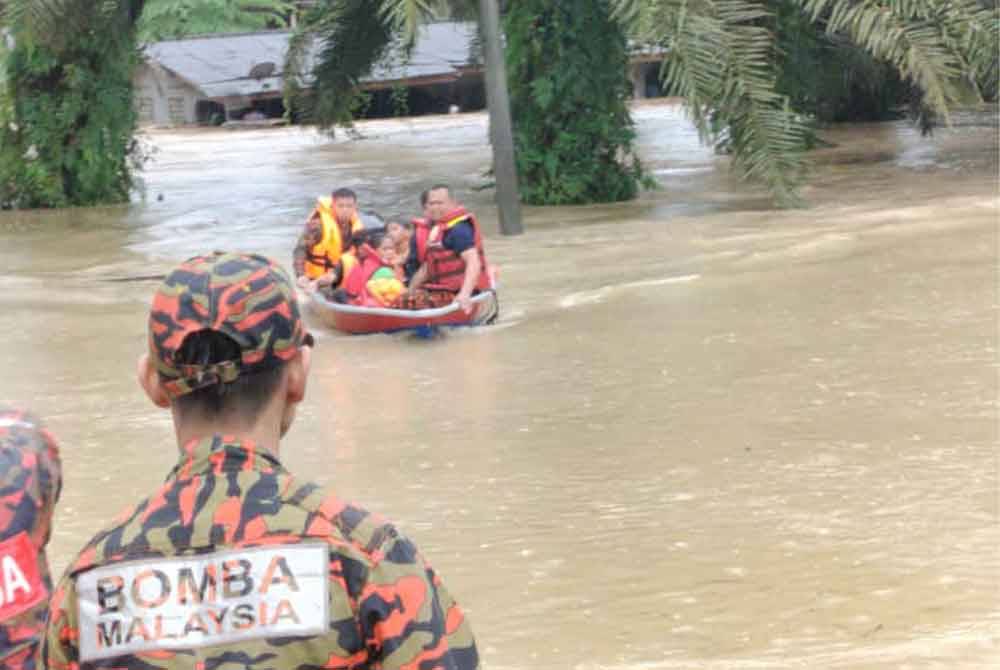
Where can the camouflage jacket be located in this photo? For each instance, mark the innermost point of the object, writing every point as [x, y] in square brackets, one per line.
[235, 565]
[311, 235]
[30, 482]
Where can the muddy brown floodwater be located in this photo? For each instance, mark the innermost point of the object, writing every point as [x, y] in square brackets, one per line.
[705, 433]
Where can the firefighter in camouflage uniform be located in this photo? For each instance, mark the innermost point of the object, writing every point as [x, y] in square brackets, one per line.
[234, 563]
[30, 482]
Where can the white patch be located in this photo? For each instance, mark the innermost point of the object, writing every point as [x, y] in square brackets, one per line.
[11, 422]
[197, 601]
[14, 580]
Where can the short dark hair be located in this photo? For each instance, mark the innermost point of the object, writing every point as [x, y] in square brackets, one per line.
[345, 193]
[247, 395]
[424, 195]
[376, 237]
[439, 187]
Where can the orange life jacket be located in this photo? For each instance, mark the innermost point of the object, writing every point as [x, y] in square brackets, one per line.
[324, 256]
[445, 268]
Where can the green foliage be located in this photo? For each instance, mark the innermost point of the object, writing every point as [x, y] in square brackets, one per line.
[164, 19]
[761, 71]
[722, 62]
[399, 97]
[568, 82]
[361, 102]
[335, 45]
[828, 77]
[66, 117]
[939, 46]
[574, 133]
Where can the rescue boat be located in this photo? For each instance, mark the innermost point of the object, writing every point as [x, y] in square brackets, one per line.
[357, 320]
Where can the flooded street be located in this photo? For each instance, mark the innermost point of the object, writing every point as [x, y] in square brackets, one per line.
[704, 434]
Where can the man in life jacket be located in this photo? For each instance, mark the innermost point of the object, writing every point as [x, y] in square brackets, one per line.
[30, 482]
[328, 234]
[454, 261]
[234, 563]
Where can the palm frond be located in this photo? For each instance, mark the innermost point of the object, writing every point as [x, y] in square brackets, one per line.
[720, 62]
[45, 20]
[339, 41]
[405, 16]
[336, 44]
[938, 45]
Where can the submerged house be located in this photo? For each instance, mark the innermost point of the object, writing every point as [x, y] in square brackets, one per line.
[216, 78]
[222, 77]
[188, 81]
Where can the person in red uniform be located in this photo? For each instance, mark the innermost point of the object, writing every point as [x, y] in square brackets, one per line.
[30, 483]
[234, 563]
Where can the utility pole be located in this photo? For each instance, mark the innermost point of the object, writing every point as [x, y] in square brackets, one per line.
[501, 133]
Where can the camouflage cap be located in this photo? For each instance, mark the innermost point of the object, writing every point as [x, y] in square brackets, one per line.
[30, 476]
[245, 296]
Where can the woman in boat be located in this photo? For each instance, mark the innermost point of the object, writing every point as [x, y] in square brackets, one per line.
[401, 235]
[373, 274]
[411, 239]
[385, 285]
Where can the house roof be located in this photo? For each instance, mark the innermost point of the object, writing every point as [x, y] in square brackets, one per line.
[440, 49]
[252, 63]
[221, 65]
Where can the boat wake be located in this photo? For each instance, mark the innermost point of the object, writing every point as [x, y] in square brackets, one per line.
[601, 294]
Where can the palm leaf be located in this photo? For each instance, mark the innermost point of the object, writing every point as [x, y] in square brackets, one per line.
[45, 20]
[405, 16]
[336, 44]
[339, 41]
[940, 46]
[721, 63]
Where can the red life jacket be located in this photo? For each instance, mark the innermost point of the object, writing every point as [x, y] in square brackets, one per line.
[359, 274]
[445, 268]
[421, 230]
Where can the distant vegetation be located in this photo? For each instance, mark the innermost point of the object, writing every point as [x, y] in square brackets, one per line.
[163, 19]
[758, 78]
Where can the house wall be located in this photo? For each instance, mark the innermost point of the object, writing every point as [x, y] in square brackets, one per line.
[163, 99]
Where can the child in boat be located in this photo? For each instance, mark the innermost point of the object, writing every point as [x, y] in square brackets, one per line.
[372, 274]
[385, 284]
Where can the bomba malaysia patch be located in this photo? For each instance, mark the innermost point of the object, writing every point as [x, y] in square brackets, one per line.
[197, 601]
